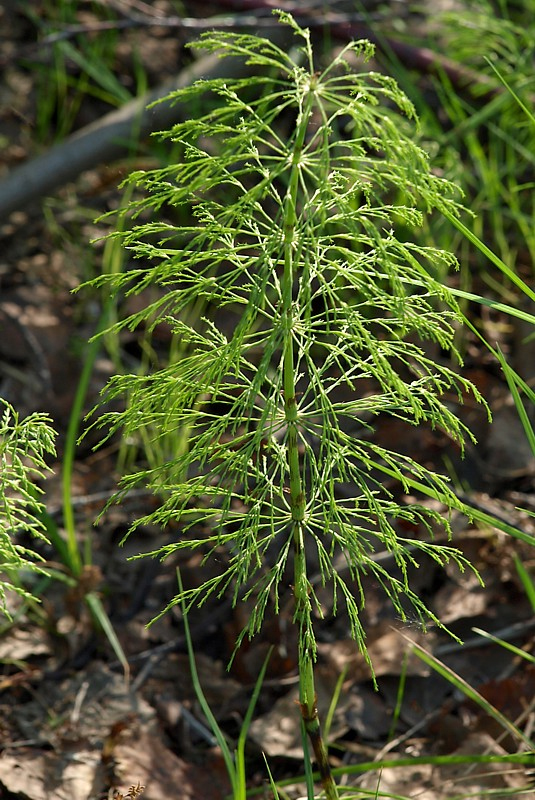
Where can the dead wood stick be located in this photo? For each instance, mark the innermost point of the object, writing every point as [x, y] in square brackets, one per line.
[113, 135]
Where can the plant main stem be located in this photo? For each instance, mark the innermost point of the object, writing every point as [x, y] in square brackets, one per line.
[307, 693]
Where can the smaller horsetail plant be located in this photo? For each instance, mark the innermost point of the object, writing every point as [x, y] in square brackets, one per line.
[288, 223]
[25, 445]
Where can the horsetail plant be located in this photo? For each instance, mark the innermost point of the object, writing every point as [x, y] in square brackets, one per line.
[25, 445]
[300, 188]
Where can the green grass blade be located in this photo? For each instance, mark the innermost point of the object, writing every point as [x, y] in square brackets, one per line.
[515, 382]
[309, 777]
[526, 759]
[100, 616]
[472, 512]
[512, 382]
[241, 791]
[399, 697]
[333, 704]
[511, 91]
[115, 92]
[203, 702]
[507, 645]
[74, 559]
[496, 260]
[55, 537]
[527, 580]
[496, 306]
[472, 694]
[272, 783]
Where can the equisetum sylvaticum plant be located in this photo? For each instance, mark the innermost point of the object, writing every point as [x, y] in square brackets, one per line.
[295, 199]
[24, 447]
